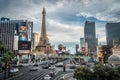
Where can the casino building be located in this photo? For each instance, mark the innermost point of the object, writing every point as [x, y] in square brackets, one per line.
[16, 36]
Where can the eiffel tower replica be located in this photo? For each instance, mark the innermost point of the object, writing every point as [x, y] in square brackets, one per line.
[44, 46]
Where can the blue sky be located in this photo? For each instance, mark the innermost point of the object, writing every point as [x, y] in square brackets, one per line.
[65, 18]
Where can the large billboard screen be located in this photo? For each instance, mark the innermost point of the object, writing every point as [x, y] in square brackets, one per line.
[23, 37]
[22, 28]
[24, 45]
[23, 31]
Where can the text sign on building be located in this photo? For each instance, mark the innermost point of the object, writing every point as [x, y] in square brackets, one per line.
[83, 49]
[24, 45]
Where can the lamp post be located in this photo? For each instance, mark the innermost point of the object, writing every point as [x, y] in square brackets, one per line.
[64, 67]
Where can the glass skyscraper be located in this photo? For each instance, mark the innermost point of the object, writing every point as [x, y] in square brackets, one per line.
[90, 36]
[112, 33]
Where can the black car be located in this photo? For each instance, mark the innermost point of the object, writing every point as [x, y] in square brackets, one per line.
[72, 67]
[51, 73]
[35, 64]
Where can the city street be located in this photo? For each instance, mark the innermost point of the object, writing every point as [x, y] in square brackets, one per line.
[26, 74]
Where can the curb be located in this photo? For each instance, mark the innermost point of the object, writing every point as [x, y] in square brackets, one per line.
[68, 75]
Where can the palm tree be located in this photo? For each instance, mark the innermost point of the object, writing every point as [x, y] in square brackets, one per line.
[7, 59]
[1, 47]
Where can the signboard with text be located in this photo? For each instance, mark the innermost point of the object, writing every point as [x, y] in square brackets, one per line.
[24, 45]
[83, 49]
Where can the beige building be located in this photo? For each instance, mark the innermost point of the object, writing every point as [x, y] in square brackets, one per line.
[99, 54]
[36, 38]
[115, 57]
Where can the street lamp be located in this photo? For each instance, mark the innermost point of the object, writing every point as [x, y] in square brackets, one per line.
[64, 67]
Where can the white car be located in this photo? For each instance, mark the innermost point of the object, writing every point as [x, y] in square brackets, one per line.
[51, 68]
[33, 68]
[14, 70]
[47, 77]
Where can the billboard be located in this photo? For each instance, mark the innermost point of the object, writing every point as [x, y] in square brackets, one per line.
[23, 37]
[24, 51]
[24, 45]
[30, 25]
[23, 31]
[22, 28]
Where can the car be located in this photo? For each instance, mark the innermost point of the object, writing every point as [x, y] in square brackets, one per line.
[72, 67]
[47, 77]
[59, 65]
[14, 70]
[52, 62]
[62, 78]
[51, 68]
[36, 64]
[34, 69]
[45, 66]
[91, 65]
[51, 74]
[77, 63]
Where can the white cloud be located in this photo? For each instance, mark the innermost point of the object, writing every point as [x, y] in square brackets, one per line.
[101, 9]
[64, 32]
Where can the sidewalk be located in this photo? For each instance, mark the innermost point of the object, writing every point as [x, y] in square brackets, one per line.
[69, 76]
[2, 76]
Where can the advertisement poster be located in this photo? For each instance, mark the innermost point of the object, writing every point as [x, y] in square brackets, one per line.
[22, 36]
[23, 29]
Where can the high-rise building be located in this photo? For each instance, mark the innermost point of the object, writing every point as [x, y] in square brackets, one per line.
[7, 30]
[77, 48]
[82, 42]
[11, 28]
[36, 38]
[90, 36]
[112, 33]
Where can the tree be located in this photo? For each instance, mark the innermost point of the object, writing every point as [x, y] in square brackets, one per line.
[1, 47]
[60, 47]
[114, 73]
[106, 72]
[106, 50]
[7, 59]
[83, 73]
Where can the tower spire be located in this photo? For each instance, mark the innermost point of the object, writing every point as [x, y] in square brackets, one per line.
[43, 30]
